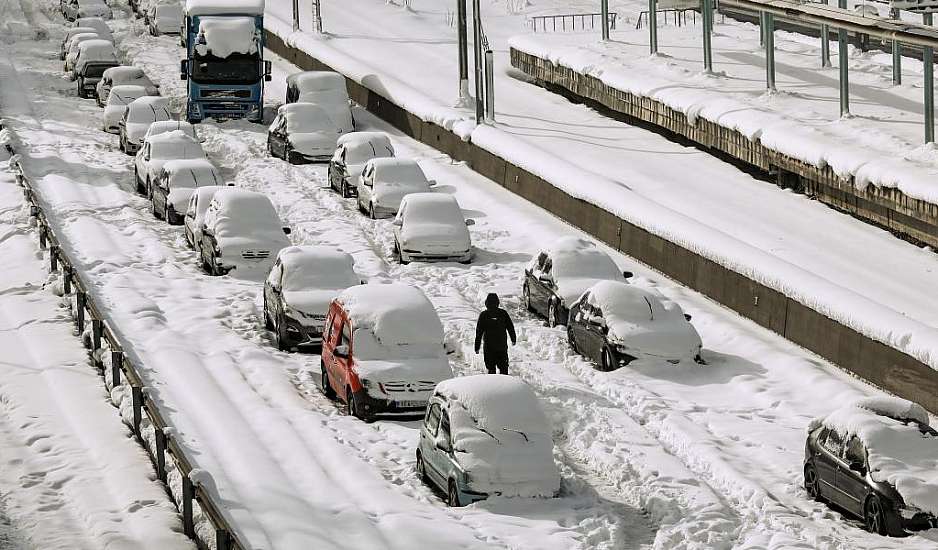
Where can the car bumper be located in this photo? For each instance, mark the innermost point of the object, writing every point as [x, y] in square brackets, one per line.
[300, 336]
[376, 405]
[921, 521]
[419, 256]
[131, 147]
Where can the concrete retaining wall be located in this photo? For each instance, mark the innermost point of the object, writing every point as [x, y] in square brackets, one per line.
[871, 360]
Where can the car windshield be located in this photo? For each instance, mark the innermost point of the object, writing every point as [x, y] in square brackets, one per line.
[322, 275]
[194, 177]
[403, 172]
[122, 97]
[149, 113]
[95, 70]
[588, 265]
[237, 68]
[434, 212]
[368, 348]
[362, 152]
[175, 150]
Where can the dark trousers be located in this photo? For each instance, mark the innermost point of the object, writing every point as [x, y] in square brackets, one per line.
[496, 359]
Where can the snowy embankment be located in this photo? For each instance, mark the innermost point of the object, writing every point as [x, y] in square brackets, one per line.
[763, 237]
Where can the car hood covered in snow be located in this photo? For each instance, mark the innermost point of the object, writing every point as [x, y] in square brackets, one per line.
[431, 235]
[314, 143]
[415, 369]
[310, 302]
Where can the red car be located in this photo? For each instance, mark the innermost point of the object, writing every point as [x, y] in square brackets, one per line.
[382, 350]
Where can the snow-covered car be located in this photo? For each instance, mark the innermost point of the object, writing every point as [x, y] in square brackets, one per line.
[485, 435]
[98, 24]
[299, 289]
[324, 88]
[352, 152]
[94, 57]
[302, 132]
[159, 149]
[71, 48]
[385, 182]
[195, 214]
[430, 227]
[164, 18]
[119, 97]
[614, 323]
[69, 33]
[174, 184]
[78, 9]
[876, 459]
[163, 126]
[124, 75]
[241, 231]
[559, 273]
[382, 350]
[140, 114]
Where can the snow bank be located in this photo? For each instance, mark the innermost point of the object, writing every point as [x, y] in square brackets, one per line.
[397, 315]
[224, 36]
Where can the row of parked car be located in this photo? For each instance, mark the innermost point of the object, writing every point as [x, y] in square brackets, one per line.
[382, 345]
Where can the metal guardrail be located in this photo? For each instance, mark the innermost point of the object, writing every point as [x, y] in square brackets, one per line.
[679, 14]
[551, 21]
[87, 311]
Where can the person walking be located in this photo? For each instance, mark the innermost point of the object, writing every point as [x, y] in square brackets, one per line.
[492, 331]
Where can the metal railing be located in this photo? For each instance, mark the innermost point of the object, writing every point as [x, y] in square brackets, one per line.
[144, 408]
[679, 16]
[568, 21]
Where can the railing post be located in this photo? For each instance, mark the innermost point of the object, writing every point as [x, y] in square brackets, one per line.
[66, 281]
[117, 361]
[53, 258]
[80, 311]
[928, 62]
[477, 36]
[462, 33]
[707, 30]
[136, 395]
[296, 15]
[843, 64]
[653, 26]
[97, 327]
[188, 493]
[222, 540]
[770, 52]
[160, 455]
[489, 86]
[604, 8]
[825, 44]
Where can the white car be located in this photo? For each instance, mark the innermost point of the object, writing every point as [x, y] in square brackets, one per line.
[385, 182]
[174, 184]
[241, 231]
[299, 289]
[118, 99]
[71, 48]
[561, 272]
[96, 23]
[162, 126]
[430, 227]
[69, 33]
[164, 18]
[124, 74]
[486, 434]
[352, 152]
[195, 214]
[614, 323]
[302, 132]
[76, 9]
[326, 89]
[140, 114]
[159, 149]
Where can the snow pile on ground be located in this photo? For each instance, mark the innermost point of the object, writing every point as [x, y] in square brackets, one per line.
[902, 454]
[501, 436]
[224, 36]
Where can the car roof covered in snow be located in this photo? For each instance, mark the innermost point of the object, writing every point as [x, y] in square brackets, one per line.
[225, 7]
[241, 211]
[198, 168]
[316, 81]
[497, 402]
[125, 93]
[174, 145]
[309, 267]
[576, 257]
[397, 169]
[396, 314]
[163, 126]
[361, 146]
[313, 256]
[95, 23]
[901, 453]
[306, 117]
[97, 47]
[622, 302]
[124, 72]
[69, 33]
[431, 208]
[139, 107]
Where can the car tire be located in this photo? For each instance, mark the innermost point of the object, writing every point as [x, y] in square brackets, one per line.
[343, 190]
[607, 361]
[526, 297]
[351, 408]
[552, 314]
[874, 517]
[291, 156]
[268, 324]
[812, 484]
[421, 469]
[371, 211]
[281, 337]
[326, 384]
[452, 496]
[571, 340]
[207, 267]
[156, 213]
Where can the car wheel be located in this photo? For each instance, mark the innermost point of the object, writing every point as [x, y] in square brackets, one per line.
[421, 469]
[351, 408]
[207, 267]
[268, 324]
[326, 384]
[526, 297]
[452, 495]
[812, 483]
[607, 362]
[282, 343]
[552, 314]
[343, 189]
[874, 516]
[571, 340]
[156, 213]
[120, 144]
[371, 211]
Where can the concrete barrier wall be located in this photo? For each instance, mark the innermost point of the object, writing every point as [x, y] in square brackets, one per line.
[882, 365]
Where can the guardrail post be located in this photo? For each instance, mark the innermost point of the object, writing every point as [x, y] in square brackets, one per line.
[43, 237]
[770, 51]
[117, 361]
[222, 540]
[761, 28]
[489, 86]
[462, 35]
[844, 70]
[136, 395]
[896, 53]
[296, 15]
[66, 281]
[188, 493]
[80, 311]
[604, 8]
[97, 327]
[928, 61]
[653, 26]
[160, 455]
[53, 258]
[707, 31]
[825, 44]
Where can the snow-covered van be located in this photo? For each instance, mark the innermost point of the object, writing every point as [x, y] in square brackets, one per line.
[382, 350]
[486, 435]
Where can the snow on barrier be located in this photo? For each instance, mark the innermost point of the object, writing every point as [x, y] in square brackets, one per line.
[803, 324]
[189, 487]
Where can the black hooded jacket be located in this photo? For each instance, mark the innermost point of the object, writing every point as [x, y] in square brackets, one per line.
[494, 327]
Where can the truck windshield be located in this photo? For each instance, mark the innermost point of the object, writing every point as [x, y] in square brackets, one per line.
[235, 69]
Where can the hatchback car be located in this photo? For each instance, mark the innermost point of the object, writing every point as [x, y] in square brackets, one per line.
[119, 97]
[159, 149]
[385, 182]
[241, 231]
[299, 289]
[163, 126]
[302, 132]
[71, 48]
[560, 273]
[382, 350]
[123, 75]
[69, 33]
[195, 215]
[486, 435]
[351, 154]
[614, 323]
[164, 19]
[140, 114]
[98, 24]
[430, 227]
[174, 184]
[876, 460]
[326, 89]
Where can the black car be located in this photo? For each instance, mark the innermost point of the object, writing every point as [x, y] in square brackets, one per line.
[837, 471]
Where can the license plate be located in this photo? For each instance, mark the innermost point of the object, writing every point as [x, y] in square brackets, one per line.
[410, 404]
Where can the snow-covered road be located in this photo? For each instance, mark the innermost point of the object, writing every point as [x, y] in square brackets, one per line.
[651, 456]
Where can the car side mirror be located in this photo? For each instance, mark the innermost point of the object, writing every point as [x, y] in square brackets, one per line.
[858, 467]
[184, 69]
[444, 444]
[267, 68]
[627, 274]
[287, 231]
[431, 183]
[687, 317]
[341, 351]
[470, 221]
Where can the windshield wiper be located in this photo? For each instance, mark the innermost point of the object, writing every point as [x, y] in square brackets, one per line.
[524, 435]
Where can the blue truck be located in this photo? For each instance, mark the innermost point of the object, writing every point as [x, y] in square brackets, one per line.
[224, 65]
